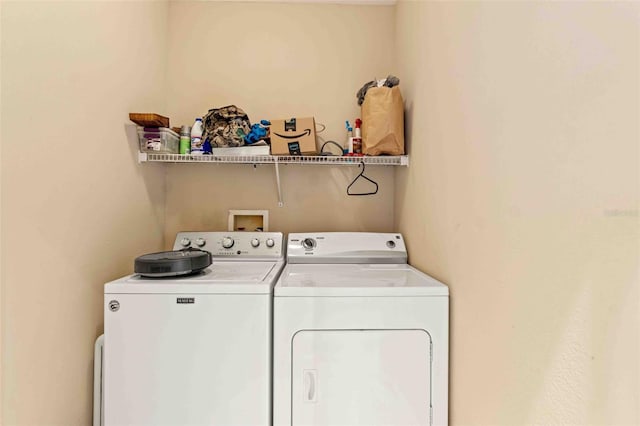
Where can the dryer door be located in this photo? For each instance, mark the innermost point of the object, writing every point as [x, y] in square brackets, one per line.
[361, 377]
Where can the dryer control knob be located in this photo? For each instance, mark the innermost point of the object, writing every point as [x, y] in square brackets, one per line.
[227, 242]
[200, 242]
[255, 242]
[185, 242]
[308, 243]
[270, 243]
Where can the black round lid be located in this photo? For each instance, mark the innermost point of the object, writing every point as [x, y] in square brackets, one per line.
[172, 263]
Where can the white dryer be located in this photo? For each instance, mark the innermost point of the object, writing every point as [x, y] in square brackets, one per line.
[194, 350]
[360, 336]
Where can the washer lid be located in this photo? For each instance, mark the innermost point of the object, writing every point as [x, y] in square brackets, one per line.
[219, 278]
[357, 280]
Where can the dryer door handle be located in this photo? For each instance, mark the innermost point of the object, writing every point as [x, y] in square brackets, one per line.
[310, 392]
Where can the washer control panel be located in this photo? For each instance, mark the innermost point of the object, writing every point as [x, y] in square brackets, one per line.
[243, 245]
[346, 247]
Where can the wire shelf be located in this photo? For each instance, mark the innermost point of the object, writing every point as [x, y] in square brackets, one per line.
[399, 160]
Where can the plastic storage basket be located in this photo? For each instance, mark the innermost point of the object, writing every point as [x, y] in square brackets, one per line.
[158, 139]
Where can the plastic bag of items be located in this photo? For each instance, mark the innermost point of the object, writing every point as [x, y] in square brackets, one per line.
[225, 127]
[382, 117]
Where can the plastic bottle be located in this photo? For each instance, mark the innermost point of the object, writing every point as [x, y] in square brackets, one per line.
[349, 145]
[196, 138]
[357, 139]
[185, 140]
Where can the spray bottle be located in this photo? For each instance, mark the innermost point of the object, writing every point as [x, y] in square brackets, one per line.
[348, 149]
[357, 139]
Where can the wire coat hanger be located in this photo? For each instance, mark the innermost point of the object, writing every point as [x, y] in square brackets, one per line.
[361, 175]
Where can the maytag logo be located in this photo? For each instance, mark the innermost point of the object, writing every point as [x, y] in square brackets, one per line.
[186, 300]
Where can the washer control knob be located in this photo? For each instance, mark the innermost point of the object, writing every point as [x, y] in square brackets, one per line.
[391, 244]
[255, 242]
[185, 242]
[308, 243]
[270, 243]
[200, 242]
[227, 242]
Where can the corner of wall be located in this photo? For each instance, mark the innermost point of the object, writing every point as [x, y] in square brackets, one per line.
[1, 243]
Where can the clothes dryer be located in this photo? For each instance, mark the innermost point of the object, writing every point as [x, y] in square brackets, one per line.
[360, 336]
[194, 350]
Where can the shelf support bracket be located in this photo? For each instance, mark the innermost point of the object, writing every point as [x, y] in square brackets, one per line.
[277, 167]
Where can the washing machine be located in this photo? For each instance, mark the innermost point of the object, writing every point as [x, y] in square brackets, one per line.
[194, 350]
[360, 337]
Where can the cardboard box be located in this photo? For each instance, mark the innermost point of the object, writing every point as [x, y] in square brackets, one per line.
[295, 136]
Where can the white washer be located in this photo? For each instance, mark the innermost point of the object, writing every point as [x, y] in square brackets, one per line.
[360, 336]
[194, 350]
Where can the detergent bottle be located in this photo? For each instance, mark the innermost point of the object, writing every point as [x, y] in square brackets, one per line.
[197, 147]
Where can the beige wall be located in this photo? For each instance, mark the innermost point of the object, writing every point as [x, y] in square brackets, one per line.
[522, 195]
[76, 207]
[276, 61]
[1, 213]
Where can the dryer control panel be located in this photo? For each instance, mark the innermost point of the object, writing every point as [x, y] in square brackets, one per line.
[346, 247]
[230, 245]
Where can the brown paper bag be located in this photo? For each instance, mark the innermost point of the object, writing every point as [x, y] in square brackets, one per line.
[383, 122]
